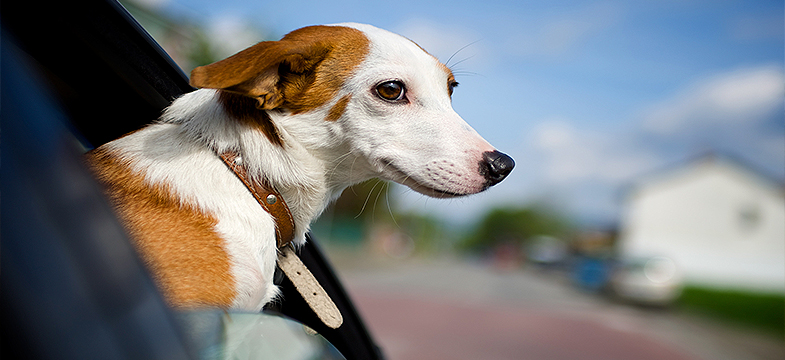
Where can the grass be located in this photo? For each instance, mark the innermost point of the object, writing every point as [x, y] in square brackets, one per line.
[756, 310]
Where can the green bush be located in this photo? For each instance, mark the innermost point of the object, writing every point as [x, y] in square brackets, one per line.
[758, 310]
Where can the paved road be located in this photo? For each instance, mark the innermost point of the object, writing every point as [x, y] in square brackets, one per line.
[456, 310]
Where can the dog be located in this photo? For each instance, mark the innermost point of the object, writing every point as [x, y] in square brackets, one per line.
[321, 109]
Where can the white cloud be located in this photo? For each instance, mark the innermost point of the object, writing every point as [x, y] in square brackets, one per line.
[569, 155]
[743, 96]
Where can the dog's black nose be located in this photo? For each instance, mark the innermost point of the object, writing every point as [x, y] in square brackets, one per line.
[496, 166]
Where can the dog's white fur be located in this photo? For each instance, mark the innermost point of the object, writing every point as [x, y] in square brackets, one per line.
[423, 144]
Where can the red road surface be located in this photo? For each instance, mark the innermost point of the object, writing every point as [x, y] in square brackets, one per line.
[409, 328]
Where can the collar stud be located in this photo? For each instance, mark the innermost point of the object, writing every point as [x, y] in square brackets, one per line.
[271, 199]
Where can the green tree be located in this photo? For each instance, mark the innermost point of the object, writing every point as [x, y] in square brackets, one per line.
[514, 225]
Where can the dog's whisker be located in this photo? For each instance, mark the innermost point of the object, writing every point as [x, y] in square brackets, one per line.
[389, 207]
[351, 168]
[338, 162]
[466, 73]
[375, 202]
[341, 159]
[447, 63]
[464, 59]
[366, 200]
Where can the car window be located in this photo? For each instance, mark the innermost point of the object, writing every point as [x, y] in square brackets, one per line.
[221, 335]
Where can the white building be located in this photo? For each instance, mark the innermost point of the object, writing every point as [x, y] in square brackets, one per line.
[722, 224]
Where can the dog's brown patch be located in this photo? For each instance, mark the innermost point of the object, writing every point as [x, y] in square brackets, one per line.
[177, 242]
[450, 81]
[346, 49]
[339, 108]
[299, 73]
[243, 109]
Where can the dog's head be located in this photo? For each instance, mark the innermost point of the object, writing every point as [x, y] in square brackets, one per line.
[367, 90]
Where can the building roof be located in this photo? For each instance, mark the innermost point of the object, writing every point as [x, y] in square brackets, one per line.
[713, 159]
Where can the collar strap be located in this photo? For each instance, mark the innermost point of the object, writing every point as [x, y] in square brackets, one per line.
[304, 281]
[266, 195]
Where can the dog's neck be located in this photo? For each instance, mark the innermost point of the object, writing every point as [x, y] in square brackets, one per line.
[308, 168]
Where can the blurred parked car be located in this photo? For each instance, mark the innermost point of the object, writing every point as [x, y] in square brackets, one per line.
[652, 281]
[592, 273]
[547, 251]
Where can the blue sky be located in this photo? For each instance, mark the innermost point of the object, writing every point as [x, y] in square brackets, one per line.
[587, 96]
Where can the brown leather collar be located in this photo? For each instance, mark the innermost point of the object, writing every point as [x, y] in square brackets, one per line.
[265, 195]
[304, 281]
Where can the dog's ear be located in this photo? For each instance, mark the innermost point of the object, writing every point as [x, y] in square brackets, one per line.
[258, 71]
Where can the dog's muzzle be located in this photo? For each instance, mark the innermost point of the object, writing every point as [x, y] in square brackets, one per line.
[495, 166]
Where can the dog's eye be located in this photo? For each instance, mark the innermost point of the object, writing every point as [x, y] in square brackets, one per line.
[390, 90]
[451, 86]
